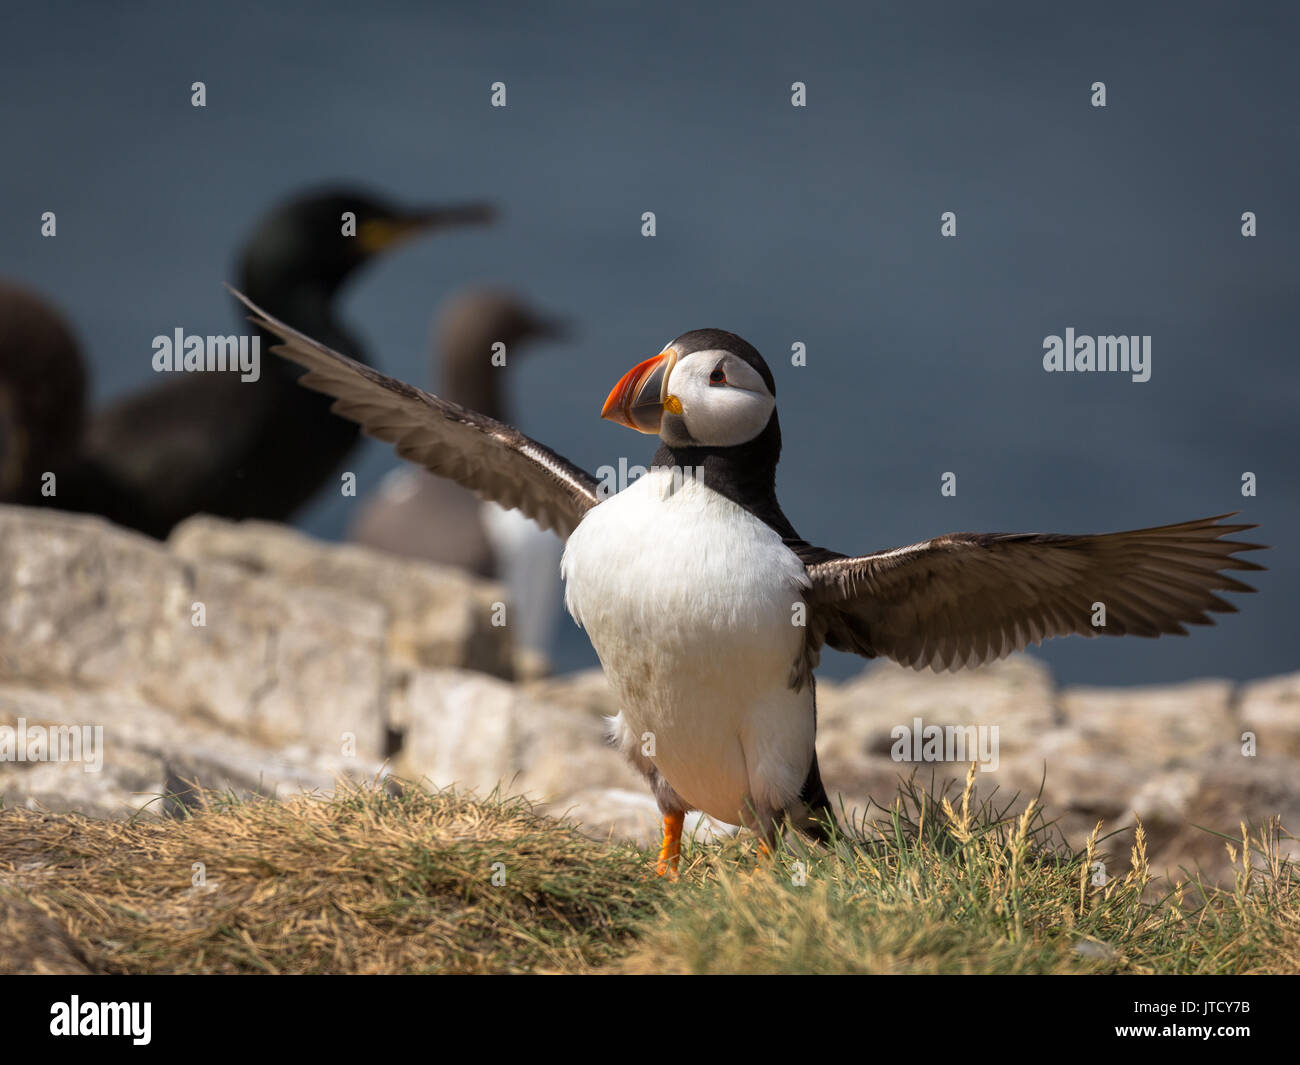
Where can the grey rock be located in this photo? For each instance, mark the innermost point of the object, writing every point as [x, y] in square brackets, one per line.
[856, 721]
[1271, 709]
[1153, 726]
[435, 616]
[1189, 810]
[628, 814]
[137, 745]
[587, 690]
[477, 732]
[97, 608]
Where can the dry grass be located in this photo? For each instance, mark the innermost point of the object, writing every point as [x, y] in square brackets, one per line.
[370, 882]
[937, 886]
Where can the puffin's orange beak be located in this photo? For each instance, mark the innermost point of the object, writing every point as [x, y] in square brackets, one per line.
[641, 395]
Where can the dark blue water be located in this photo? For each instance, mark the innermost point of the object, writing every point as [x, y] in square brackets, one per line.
[818, 225]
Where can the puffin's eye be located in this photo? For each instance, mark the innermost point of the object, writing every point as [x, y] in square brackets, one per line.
[717, 377]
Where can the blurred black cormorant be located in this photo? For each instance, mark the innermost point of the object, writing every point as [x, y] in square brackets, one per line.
[42, 393]
[213, 443]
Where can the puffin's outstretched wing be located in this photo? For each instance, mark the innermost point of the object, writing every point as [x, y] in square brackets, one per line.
[488, 457]
[968, 598]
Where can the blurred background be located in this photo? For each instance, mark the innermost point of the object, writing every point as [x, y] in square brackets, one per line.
[818, 225]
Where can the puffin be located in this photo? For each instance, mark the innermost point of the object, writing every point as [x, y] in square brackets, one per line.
[414, 514]
[211, 443]
[709, 612]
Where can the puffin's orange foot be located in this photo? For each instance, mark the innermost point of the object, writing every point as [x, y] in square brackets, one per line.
[672, 846]
[764, 851]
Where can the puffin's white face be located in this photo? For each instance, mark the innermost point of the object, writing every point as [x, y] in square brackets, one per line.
[723, 401]
[711, 398]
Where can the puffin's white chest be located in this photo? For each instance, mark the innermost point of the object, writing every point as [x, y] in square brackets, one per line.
[690, 602]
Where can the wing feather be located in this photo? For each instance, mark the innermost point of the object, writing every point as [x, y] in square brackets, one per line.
[490, 458]
[969, 598]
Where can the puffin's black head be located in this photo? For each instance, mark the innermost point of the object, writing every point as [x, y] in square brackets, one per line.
[319, 238]
[708, 388]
